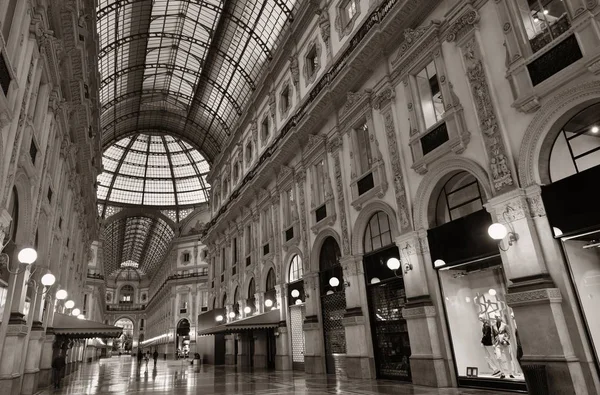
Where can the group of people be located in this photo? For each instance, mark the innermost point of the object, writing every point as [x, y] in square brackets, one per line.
[146, 358]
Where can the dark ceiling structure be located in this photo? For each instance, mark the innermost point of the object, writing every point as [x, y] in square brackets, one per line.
[183, 67]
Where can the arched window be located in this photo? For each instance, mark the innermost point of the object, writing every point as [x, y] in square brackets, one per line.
[296, 271]
[224, 300]
[251, 302]
[13, 209]
[270, 293]
[378, 233]
[577, 146]
[126, 295]
[330, 254]
[460, 196]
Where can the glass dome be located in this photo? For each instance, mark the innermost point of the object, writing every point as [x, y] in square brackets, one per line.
[153, 170]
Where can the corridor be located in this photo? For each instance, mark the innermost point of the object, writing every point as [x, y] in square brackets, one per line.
[119, 375]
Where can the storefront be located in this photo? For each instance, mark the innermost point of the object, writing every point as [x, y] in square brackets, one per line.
[333, 306]
[386, 298]
[573, 210]
[483, 332]
[296, 298]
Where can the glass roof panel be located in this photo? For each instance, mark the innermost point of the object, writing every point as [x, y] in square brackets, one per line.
[186, 65]
[150, 169]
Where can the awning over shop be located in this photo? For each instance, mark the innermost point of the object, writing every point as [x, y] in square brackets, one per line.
[269, 319]
[75, 328]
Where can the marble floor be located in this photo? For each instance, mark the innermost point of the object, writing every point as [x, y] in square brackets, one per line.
[120, 375]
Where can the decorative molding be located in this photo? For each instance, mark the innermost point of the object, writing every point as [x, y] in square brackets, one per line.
[355, 102]
[409, 313]
[462, 25]
[339, 184]
[546, 295]
[502, 177]
[294, 69]
[325, 27]
[310, 78]
[397, 173]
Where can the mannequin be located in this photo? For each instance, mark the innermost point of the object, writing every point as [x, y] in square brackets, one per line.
[487, 341]
[502, 346]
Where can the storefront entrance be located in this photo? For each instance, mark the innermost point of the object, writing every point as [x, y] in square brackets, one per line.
[333, 306]
[482, 328]
[386, 298]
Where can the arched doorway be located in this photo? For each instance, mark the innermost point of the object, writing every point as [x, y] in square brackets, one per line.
[182, 340]
[573, 168]
[124, 344]
[386, 297]
[481, 325]
[296, 310]
[333, 305]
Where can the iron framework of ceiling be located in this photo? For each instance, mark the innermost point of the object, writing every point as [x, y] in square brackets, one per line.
[186, 66]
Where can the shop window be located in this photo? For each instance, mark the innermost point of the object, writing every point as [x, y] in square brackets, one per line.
[296, 270]
[460, 196]
[378, 233]
[577, 146]
[544, 21]
[430, 95]
[264, 131]
[483, 330]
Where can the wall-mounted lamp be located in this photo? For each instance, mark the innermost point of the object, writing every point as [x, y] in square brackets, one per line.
[335, 282]
[76, 312]
[81, 317]
[498, 231]
[219, 318]
[268, 303]
[394, 264]
[61, 294]
[298, 302]
[27, 256]
[232, 315]
[247, 310]
[295, 293]
[439, 263]
[69, 304]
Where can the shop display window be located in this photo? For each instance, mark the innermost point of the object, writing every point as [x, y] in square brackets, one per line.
[482, 326]
[583, 256]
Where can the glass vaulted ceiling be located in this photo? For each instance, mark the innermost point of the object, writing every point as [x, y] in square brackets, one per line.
[186, 68]
[152, 170]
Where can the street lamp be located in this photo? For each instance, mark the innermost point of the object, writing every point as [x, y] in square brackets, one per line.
[76, 312]
[69, 304]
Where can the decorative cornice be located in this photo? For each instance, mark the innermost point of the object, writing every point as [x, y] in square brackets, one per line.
[462, 25]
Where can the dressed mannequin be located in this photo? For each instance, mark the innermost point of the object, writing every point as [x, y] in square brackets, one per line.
[487, 341]
[502, 346]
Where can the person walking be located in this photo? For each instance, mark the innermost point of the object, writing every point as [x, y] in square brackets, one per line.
[58, 365]
[155, 357]
[146, 359]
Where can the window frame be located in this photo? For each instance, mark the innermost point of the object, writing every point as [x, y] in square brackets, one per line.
[296, 268]
[265, 125]
[343, 24]
[311, 67]
[285, 99]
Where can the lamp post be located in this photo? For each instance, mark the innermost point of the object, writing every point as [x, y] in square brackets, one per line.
[26, 257]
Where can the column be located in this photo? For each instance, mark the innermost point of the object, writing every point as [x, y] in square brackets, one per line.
[33, 349]
[359, 355]
[427, 363]
[243, 357]
[314, 360]
[283, 359]
[536, 300]
[260, 349]
[230, 357]
[45, 374]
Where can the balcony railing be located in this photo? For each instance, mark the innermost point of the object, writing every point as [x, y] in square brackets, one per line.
[95, 276]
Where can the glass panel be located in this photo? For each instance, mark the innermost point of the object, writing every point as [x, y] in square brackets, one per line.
[460, 196]
[584, 262]
[432, 103]
[482, 326]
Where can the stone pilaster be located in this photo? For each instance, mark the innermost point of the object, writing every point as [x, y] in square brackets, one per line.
[427, 363]
[12, 356]
[314, 361]
[283, 360]
[260, 349]
[230, 357]
[32, 361]
[45, 375]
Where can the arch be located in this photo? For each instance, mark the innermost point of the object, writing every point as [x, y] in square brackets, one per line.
[360, 225]
[251, 284]
[263, 276]
[268, 278]
[246, 287]
[435, 179]
[313, 265]
[125, 317]
[291, 253]
[223, 298]
[545, 126]
[233, 286]
[124, 290]
[23, 186]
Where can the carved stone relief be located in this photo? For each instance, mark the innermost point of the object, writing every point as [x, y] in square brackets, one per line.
[502, 177]
[334, 147]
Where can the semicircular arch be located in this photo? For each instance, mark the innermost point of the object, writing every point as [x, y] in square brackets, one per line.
[360, 225]
[318, 243]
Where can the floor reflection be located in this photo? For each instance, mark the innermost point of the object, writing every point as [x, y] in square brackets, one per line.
[122, 375]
